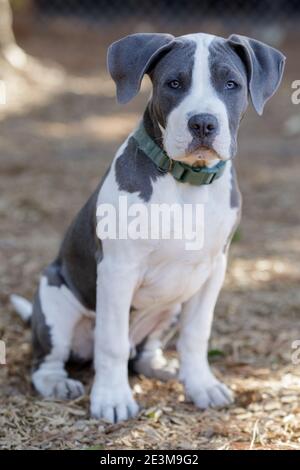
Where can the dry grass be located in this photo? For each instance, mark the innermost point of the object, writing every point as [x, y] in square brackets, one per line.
[54, 149]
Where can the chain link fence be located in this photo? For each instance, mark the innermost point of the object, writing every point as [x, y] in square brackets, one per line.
[256, 11]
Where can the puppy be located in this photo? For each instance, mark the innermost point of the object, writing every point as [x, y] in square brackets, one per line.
[114, 299]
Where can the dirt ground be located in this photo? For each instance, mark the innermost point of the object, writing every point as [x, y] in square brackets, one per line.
[58, 134]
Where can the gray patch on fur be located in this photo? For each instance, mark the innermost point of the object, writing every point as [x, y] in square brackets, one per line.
[130, 58]
[74, 267]
[235, 203]
[177, 64]
[233, 230]
[81, 251]
[53, 274]
[41, 337]
[235, 195]
[41, 333]
[264, 65]
[151, 125]
[226, 65]
[135, 172]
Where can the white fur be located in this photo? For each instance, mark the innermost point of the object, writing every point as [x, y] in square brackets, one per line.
[202, 98]
[200, 384]
[22, 306]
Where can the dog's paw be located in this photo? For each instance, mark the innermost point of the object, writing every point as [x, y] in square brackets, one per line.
[58, 387]
[113, 405]
[159, 368]
[68, 389]
[210, 394]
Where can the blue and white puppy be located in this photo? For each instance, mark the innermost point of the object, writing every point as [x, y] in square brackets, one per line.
[135, 289]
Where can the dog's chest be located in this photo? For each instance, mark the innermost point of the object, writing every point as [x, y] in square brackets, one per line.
[177, 268]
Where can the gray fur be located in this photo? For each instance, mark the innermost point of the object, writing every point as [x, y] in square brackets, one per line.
[74, 267]
[235, 194]
[135, 172]
[177, 64]
[131, 57]
[41, 337]
[53, 274]
[41, 333]
[264, 66]
[80, 252]
[151, 125]
[235, 203]
[226, 65]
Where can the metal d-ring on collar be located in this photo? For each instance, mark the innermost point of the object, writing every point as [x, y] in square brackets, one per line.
[180, 171]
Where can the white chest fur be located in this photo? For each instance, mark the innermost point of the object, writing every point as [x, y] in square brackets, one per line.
[174, 273]
[168, 273]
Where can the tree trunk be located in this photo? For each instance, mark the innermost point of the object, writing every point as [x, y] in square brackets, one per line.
[7, 37]
[12, 54]
[19, 70]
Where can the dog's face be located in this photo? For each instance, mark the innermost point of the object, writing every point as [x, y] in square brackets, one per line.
[201, 85]
[199, 96]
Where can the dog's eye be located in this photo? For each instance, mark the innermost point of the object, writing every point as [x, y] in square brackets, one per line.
[230, 85]
[174, 84]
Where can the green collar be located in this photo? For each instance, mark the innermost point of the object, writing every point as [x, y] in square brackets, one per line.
[180, 171]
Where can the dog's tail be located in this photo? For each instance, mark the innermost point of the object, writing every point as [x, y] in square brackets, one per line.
[22, 306]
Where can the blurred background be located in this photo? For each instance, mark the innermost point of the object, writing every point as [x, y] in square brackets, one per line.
[59, 129]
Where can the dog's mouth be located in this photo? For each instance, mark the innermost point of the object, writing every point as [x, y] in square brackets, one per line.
[201, 156]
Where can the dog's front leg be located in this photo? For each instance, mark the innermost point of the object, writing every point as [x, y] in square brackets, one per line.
[111, 396]
[201, 386]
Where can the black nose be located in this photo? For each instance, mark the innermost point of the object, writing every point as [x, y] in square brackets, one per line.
[203, 125]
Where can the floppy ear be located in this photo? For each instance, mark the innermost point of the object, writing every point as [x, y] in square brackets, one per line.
[264, 66]
[131, 57]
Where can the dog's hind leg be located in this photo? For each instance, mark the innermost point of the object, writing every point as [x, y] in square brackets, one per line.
[56, 312]
[150, 360]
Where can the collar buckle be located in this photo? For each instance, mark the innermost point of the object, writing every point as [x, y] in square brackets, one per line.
[171, 164]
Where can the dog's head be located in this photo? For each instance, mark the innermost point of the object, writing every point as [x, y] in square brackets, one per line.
[201, 85]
